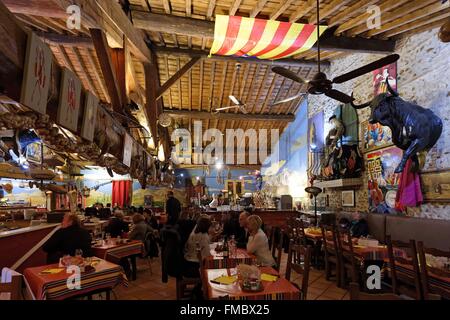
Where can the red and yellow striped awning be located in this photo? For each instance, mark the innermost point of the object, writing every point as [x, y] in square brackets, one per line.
[264, 39]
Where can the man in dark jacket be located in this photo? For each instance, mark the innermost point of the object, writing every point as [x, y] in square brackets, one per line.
[117, 226]
[68, 239]
[359, 227]
[242, 233]
[173, 208]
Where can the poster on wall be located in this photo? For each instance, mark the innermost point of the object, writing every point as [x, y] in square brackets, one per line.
[375, 136]
[90, 116]
[380, 76]
[127, 150]
[383, 181]
[69, 101]
[436, 186]
[37, 74]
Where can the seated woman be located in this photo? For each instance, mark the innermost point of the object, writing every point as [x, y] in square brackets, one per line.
[140, 228]
[117, 226]
[258, 244]
[199, 237]
[68, 239]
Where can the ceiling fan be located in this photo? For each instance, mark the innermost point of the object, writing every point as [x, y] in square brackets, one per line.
[320, 84]
[237, 102]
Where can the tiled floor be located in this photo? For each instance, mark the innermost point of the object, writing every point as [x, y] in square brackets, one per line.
[150, 287]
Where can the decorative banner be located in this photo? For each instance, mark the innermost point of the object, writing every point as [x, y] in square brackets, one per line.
[127, 150]
[383, 182]
[90, 116]
[381, 75]
[264, 39]
[375, 136]
[37, 74]
[69, 102]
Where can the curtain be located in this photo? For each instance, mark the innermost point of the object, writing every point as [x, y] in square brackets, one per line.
[121, 193]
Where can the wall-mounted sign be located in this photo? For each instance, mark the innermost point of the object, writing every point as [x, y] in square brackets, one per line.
[37, 73]
[90, 116]
[69, 100]
[127, 150]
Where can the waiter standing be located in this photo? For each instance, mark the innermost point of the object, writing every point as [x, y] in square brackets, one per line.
[173, 208]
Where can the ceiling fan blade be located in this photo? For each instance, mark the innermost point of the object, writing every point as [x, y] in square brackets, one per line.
[242, 108]
[367, 68]
[288, 74]
[288, 99]
[226, 108]
[235, 100]
[339, 96]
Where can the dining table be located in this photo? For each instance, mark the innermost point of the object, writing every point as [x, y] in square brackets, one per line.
[113, 250]
[218, 261]
[274, 289]
[52, 282]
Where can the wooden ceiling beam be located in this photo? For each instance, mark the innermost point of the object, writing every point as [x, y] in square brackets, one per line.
[203, 54]
[281, 9]
[100, 81]
[177, 76]
[259, 6]
[351, 11]
[205, 29]
[362, 19]
[411, 17]
[106, 65]
[202, 115]
[303, 10]
[332, 7]
[211, 7]
[234, 7]
[99, 14]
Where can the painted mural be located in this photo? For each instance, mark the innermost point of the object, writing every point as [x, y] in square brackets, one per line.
[22, 194]
[284, 172]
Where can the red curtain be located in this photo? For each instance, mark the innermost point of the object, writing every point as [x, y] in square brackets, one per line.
[121, 191]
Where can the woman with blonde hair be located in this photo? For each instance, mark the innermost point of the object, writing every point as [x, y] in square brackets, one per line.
[258, 244]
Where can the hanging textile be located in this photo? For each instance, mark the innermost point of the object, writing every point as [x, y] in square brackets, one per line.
[264, 39]
[409, 193]
[121, 193]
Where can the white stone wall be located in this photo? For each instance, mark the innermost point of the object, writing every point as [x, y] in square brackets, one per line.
[424, 78]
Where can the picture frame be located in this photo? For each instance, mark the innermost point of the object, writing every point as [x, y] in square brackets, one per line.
[69, 101]
[436, 186]
[375, 137]
[37, 74]
[348, 198]
[90, 116]
[388, 72]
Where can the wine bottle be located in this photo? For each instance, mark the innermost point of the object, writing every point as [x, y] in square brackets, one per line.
[225, 250]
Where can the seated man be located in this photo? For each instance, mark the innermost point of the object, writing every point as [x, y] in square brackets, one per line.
[359, 227]
[117, 226]
[68, 239]
[242, 233]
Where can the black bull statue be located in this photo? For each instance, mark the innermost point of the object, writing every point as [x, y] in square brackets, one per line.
[414, 128]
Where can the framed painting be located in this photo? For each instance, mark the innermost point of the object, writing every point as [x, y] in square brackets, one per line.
[69, 101]
[127, 150]
[382, 180]
[348, 198]
[436, 186]
[380, 76]
[37, 74]
[375, 136]
[89, 117]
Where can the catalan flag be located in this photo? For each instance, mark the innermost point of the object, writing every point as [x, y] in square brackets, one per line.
[264, 39]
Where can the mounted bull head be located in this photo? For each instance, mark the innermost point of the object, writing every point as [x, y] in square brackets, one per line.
[414, 128]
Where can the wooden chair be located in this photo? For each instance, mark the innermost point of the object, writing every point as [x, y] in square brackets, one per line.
[299, 260]
[10, 284]
[350, 264]
[431, 288]
[330, 247]
[404, 267]
[186, 286]
[277, 247]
